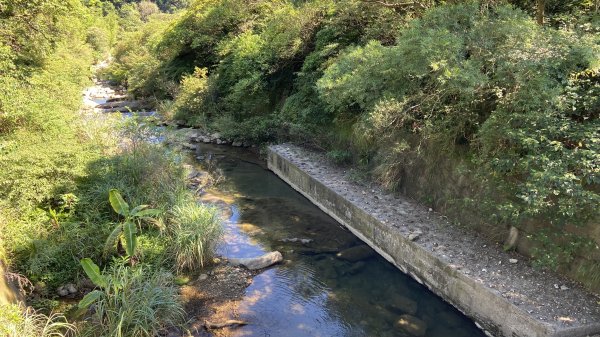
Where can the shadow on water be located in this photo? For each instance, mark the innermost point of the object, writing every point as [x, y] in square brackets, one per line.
[314, 293]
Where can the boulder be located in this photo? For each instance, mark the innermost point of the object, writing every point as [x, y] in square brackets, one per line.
[189, 146]
[71, 288]
[259, 262]
[62, 291]
[411, 325]
[356, 253]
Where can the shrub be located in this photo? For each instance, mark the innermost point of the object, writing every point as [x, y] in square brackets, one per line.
[491, 81]
[194, 233]
[340, 157]
[191, 105]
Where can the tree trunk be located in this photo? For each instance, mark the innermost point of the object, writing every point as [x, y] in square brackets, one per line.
[541, 6]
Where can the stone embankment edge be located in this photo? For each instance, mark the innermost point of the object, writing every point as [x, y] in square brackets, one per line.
[495, 315]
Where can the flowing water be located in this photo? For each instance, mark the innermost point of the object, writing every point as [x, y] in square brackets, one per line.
[313, 293]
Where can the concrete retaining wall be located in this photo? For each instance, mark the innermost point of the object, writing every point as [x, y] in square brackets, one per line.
[493, 313]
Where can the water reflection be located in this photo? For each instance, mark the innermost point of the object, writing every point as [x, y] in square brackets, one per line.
[314, 292]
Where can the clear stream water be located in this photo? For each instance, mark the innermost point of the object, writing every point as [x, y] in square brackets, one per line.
[313, 293]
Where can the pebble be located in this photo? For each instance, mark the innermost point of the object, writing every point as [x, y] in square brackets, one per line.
[563, 287]
[513, 261]
[202, 277]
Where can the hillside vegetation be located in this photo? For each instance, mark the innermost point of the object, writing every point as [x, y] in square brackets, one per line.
[485, 110]
[66, 185]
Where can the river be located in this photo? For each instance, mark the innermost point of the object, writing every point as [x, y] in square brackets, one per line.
[314, 292]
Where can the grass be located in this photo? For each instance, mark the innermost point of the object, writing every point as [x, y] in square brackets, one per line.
[138, 302]
[14, 322]
[195, 231]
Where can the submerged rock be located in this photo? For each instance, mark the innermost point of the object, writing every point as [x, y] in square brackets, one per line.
[260, 262]
[411, 325]
[356, 253]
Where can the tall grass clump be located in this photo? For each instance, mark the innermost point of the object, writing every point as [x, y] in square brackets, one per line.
[135, 302]
[14, 322]
[144, 174]
[194, 233]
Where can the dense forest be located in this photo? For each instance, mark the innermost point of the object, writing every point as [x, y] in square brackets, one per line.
[487, 111]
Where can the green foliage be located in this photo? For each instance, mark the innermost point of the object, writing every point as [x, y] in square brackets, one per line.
[555, 248]
[135, 64]
[132, 301]
[194, 38]
[44, 147]
[493, 81]
[31, 30]
[93, 272]
[191, 99]
[340, 157]
[471, 72]
[195, 231]
[15, 322]
[127, 230]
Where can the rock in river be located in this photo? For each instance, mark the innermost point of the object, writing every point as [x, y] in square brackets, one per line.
[411, 325]
[356, 253]
[254, 263]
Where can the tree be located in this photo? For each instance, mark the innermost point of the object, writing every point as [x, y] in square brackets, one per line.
[147, 9]
[540, 8]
